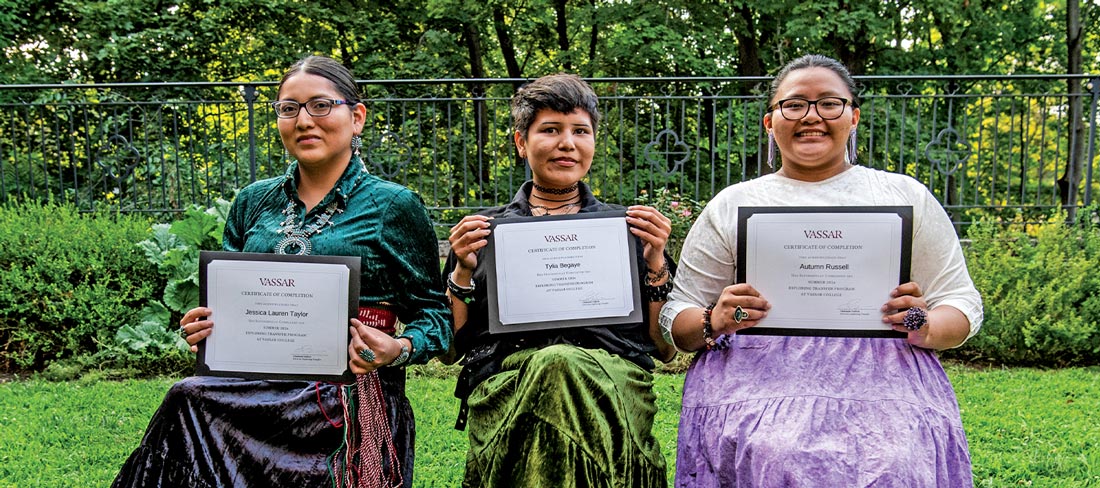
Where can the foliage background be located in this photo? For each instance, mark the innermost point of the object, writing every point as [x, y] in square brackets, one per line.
[68, 280]
[52, 41]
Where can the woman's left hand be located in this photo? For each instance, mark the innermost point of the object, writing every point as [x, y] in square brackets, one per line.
[383, 346]
[653, 228]
[903, 298]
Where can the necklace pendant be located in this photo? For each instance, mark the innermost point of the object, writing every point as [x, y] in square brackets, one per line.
[294, 244]
[296, 237]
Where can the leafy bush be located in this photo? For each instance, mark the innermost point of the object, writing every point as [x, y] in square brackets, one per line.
[174, 249]
[1041, 292]
[681, 210]
[67, 280]
[150, 344]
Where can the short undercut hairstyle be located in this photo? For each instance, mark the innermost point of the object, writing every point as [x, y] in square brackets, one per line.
[561, 93]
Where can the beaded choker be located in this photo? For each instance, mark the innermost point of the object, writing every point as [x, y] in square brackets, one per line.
[296, 237]
[556, 191]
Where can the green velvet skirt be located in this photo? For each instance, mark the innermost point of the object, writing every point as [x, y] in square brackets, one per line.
[563, 416]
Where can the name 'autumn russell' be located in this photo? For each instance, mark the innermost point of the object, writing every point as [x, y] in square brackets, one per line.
[838, 267]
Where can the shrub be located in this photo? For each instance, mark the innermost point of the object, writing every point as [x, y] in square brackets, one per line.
[67, 280]
[681, 210]
[1041, 292]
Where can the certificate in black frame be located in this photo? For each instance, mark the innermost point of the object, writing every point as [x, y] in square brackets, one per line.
[354, 264]
[905, 213]
[495, 324]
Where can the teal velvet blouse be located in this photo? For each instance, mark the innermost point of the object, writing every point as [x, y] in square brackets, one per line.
[383, 222]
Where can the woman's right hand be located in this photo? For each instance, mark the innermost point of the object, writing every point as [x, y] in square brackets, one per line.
[725, 319]
[196, 326]
[467, 236]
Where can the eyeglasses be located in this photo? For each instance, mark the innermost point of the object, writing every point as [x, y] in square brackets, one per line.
[828, 108]
[317, 107]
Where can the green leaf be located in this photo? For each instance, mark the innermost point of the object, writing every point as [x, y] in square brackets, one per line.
[182, 295]
[197, 228]
[161, 240]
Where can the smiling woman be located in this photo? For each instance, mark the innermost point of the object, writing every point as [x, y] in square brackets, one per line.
[558, 407]
[790, 410]
[234, 432]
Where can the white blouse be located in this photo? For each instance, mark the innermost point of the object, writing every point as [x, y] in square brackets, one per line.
[708, 261]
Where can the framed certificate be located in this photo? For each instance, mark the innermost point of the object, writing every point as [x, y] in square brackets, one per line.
[278, 316]
[825, 270]
[561, 271]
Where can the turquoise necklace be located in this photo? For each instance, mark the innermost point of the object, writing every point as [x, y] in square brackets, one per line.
[296, 237]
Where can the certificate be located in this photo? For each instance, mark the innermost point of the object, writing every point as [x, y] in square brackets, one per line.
[824, 270]
[561, 271]
[278, 316]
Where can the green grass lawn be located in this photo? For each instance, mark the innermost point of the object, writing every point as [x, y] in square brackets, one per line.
[1026, 427]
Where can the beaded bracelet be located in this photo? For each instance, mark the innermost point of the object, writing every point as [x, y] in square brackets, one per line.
[707, 330]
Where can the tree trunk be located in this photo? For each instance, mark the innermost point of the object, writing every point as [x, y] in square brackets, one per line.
[562, 29]
[594, 37]
[1071, 178]
[748, 49]
[481, 120]
[507, 49]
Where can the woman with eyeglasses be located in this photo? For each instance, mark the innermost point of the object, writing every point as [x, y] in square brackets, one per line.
[786, 410]
[213, 431]
[561, 407]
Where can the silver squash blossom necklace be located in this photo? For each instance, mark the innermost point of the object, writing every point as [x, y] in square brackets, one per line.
[295, 237]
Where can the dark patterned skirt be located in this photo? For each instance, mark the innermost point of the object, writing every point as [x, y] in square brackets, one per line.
[215, 432]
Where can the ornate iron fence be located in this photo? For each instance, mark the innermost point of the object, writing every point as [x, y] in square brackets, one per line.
[997, 146]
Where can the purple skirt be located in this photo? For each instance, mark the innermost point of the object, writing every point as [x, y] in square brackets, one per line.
[770, 411]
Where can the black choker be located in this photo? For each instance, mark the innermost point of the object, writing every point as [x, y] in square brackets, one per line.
[556, 191]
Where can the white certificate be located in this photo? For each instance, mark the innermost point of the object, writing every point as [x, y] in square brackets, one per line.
[562, 271]
[824, 270]
[277, 319]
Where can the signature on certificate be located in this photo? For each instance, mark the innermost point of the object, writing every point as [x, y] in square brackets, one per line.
[849, 308]
[593, 298]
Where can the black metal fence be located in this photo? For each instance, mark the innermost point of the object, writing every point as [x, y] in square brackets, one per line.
[996, 146]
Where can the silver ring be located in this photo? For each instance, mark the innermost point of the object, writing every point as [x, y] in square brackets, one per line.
[183, 333]
[739, 314]
[367, 355]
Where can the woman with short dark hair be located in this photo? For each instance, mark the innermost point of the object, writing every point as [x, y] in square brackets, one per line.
[569, 407]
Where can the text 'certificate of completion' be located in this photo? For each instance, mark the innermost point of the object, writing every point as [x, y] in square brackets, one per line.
[824, 270]
[562, 271]
[278, 317]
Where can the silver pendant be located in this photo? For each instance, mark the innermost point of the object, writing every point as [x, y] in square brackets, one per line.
[294, 244]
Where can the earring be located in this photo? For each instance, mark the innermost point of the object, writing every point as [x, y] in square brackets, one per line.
[771, 150]
[851, 149]
[356, 143]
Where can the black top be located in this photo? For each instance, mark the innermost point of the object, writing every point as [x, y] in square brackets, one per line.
[484, 352]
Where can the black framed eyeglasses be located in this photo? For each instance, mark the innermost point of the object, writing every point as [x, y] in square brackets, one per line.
[828, 108]
[317, 107]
